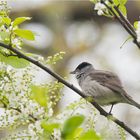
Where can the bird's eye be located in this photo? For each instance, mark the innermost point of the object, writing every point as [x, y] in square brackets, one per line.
[78, 76]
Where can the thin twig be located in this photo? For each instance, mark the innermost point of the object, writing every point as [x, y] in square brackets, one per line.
[119, 19]
[124, 22]
[60, 79]
[124, 18]
[125, 41]
[32, 118]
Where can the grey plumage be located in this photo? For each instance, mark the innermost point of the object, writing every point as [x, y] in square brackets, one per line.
[104, 86]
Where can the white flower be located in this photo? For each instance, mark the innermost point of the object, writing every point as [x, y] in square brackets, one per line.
[57, 134]
[35, 128]
[17, 42]
[31, 130]
[8, 117]
[2, 28]
[40, 58]
[100, 8]
[8, 68]
[138, 32]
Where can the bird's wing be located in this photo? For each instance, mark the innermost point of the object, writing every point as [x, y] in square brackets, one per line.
[109, 80]
[112, 81]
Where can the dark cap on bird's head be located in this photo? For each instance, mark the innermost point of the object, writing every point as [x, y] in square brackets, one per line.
[81, 66]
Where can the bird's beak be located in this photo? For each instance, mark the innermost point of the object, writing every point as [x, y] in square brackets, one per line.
[73, 72]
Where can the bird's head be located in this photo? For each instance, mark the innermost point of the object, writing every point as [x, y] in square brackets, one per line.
[82, 68]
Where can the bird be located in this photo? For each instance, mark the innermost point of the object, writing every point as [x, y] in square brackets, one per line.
[104, 87]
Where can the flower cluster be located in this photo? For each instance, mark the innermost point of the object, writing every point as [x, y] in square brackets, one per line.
[4, 8]
[19, 96]
[8, 118]
[17, 42]
[33, 132]
[101, 8]
[27, 106]
[53, 59]
[6, 35]
[35, 129]
[6, 27]
[56, 134]
[18, 106]
[138, 31]
[54, 92]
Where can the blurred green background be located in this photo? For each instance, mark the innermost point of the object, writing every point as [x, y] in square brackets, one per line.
[74, 27]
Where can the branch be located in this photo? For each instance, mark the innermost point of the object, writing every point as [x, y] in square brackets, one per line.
[32, 118]
[60, 79]
[124, 21]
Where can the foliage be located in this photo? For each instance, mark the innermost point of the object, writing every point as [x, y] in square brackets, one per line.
[90, 135]
[70, 126]
[102, 7]
[23, 102]
[55, 58]
[122, 133]
[31, 105]
[13, 61]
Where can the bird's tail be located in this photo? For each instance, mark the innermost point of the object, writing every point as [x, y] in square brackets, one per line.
[132, 102]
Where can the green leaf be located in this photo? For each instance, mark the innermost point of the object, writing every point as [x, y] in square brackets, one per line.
[119, 2]
[71, 125]
[27, 34]
[4, 35]
[122, 8]
[50, 127]
[78, 132]
[136, 24]
[14, 61]
[94, 1]
[116, 2]
[90, 135]
[20, 20]
[122, 2]
[2, 13]
[39, 93]
[6, 20]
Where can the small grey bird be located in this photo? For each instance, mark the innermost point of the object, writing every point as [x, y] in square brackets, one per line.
[105, 87]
